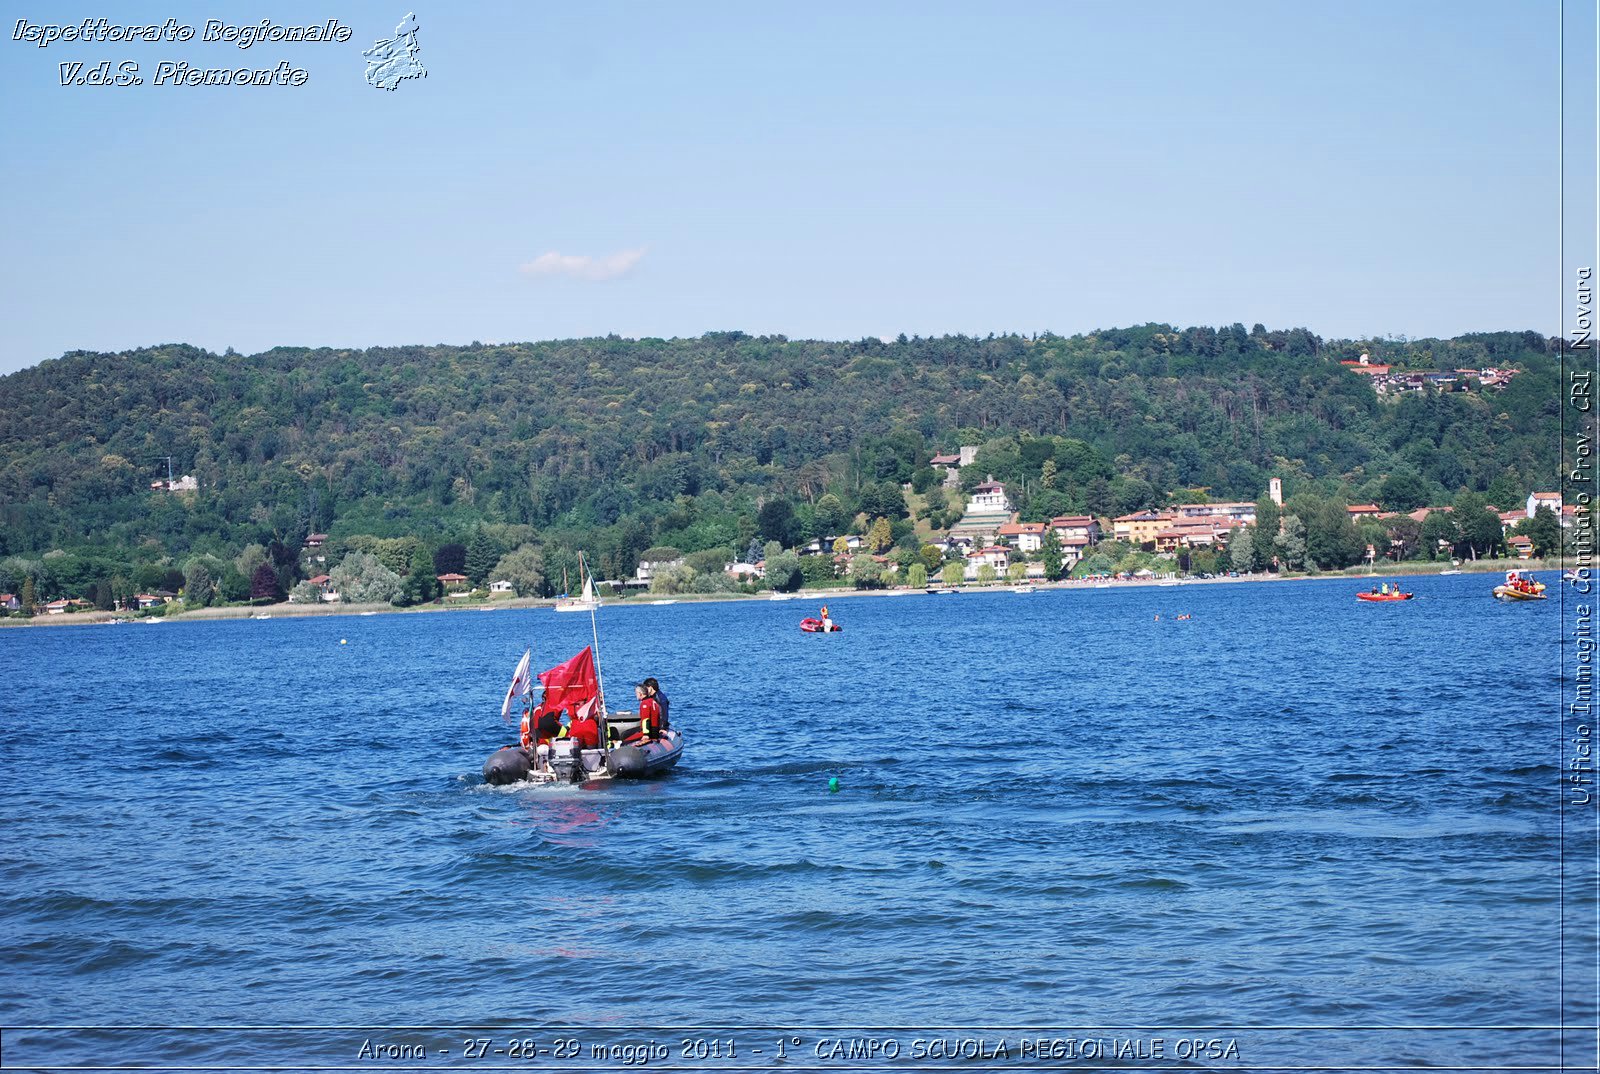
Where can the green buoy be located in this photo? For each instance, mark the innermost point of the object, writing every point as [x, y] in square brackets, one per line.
[833, 783]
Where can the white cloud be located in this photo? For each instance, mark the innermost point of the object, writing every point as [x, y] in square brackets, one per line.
[583, 267]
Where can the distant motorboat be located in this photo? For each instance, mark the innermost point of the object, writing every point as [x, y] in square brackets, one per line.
[941, 591]
[663, 602]
[1448, 573]
[1024, 589]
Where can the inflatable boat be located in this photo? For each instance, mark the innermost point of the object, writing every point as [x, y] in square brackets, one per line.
[1505, 592]
[563, 762]
[1384, 596]
[814, 626]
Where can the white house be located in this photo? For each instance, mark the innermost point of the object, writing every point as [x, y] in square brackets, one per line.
[502, 586]
[1026, 536]
[745, 572]
[1551, 500]
[996, 556]
[989, 497]
[1080, 529]
[648, 569]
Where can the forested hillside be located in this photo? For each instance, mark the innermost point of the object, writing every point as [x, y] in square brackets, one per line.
[616, 445]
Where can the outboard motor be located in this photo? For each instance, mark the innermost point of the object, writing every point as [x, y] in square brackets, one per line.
[509, 765]
[566, 757]
[626, 762]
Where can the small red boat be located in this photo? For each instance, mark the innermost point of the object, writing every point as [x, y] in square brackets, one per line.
[815, 626]
[1384, 596]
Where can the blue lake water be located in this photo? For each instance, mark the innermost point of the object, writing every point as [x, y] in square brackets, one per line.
[1054, 810]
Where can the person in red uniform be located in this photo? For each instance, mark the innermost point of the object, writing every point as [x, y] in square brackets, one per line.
[653, 688]
[649, 718]
[584, 729]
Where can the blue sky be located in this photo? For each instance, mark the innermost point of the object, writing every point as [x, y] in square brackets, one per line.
[825, 170]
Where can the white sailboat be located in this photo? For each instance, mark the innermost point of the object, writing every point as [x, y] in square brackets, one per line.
[586, 602]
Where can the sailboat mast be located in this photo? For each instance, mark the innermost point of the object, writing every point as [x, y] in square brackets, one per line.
[594, 631]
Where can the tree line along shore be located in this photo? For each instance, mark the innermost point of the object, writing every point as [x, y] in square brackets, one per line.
[130, 479]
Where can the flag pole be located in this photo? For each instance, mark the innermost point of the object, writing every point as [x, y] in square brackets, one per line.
[599, 677]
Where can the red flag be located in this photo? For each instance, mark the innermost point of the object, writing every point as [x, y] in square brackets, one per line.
[570, 684]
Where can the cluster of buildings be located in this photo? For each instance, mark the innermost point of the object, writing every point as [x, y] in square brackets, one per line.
[1386, 380]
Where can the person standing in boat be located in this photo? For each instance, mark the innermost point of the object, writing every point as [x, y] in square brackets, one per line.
[653, 688]
[827, 624]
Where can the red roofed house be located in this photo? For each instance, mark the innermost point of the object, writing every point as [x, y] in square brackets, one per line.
[1551, 500]
[1191, 533]
[1508, 519]
[452, 582]
[1080, 530]
[1364, 510]
[996, 556]
[9, 602]
[1522, 546]
[1141, 527]
[1364, 365]
[1027, 536]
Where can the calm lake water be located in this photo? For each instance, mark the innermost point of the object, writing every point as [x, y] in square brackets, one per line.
[1055, 813]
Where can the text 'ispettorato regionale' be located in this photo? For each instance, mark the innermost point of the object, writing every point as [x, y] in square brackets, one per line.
[179, 72]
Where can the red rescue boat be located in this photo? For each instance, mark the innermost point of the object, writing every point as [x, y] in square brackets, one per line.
[1384, 596]
[816, 626]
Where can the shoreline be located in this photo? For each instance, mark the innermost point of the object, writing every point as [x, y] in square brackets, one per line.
[306, 611]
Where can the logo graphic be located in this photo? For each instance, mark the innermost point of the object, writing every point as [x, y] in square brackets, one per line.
[391, 62]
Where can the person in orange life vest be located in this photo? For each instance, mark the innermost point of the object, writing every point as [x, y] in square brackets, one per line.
[827, 624]
[649, 718]
[653, 688]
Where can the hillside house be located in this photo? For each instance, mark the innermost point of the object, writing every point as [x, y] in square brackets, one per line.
[1023, 536]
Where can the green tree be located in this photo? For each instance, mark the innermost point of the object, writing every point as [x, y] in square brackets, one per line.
[1481, 533]
[1403, 490]
[27, 597]
[931, 557]
[783, 572]
[1242, 550]
[952, 574]
[1291, 543]
[866, 572]
[1332, 540]
[197, 585]
[1544, 530]
[879, 536]
[1439, 533]
[1016, 572]
[830, 515]
[482, 555]
[1269, 521]
[776, 522]
[361, 578]
[917, 576]
[524, 569]
[450, 559]
[986, 574]
[1050, 555]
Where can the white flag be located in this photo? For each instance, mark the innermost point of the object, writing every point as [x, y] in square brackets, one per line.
[521, 685]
